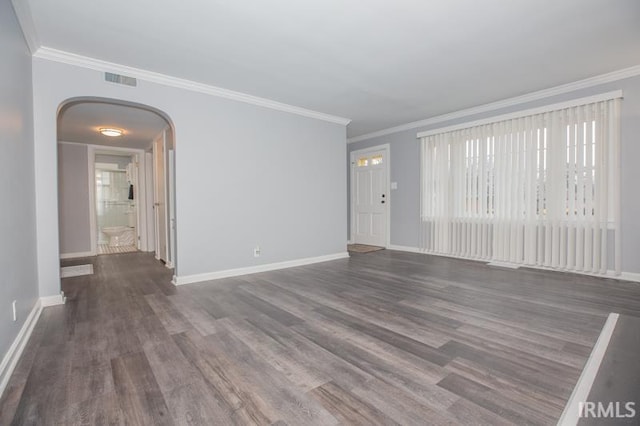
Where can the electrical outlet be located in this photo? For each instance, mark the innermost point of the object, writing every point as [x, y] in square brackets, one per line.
[15, 314]
[256, 251]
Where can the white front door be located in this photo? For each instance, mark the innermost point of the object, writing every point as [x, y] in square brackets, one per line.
[370, 197]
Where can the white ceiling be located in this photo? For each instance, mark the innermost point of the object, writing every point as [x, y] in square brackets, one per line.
[80, 122]
[381, 63]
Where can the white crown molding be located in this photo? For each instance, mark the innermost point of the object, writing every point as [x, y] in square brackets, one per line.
[23, 12]
[167, 80]
[190, 279]
[529, 97]
[11, 358]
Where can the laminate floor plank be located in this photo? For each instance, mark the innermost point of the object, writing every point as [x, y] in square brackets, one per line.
[348, 408]
[467, 413]
[401, 406]
[407, 363]
[400, 341]
[303, 374]
[195, 404]
[587, 338]
[268, 309]
[96, 411]
[390, 370]
[43, 401]
[224, 383]
[494, 401]
[306, 354]
[170, 317]
[375, 318]
[292, 406]
[380, 338]
[527, 393]
[553, 383]
[90, 374]
[199, 318]
[139, 395]
[169, 365]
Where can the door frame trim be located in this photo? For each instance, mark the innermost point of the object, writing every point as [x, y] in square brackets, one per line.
[92, 150]
[168, 259]
[387, 169]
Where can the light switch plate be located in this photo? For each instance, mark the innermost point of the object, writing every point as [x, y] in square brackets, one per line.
[394, 185]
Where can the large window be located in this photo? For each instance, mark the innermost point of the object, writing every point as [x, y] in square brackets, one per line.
[539, 189]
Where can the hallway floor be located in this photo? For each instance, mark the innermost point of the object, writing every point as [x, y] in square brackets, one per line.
[107, 249]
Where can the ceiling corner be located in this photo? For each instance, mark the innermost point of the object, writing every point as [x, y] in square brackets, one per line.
[25, 18]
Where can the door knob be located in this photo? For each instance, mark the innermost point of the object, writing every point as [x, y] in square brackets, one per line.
[382, 201]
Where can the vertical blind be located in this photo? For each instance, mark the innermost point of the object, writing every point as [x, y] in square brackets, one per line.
[540, 190]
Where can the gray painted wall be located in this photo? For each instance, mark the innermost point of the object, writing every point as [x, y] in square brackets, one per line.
[17, 188]
[245, 175]
[73, 199]
[405, 168]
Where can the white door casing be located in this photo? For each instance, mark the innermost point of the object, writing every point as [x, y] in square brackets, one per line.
[172, 208]
[160, 204]
[370, 196]
[142, 235]
[148, 201]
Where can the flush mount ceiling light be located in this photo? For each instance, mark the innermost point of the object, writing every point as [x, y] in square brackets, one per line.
[111, 132]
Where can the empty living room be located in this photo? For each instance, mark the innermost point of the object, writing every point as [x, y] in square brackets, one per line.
[320, 212]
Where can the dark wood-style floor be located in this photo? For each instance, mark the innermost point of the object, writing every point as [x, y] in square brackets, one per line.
[380, 338]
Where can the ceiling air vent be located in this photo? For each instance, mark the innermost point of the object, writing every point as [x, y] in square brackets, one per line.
[120, 79]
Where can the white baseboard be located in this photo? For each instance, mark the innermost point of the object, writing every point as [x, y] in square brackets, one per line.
[189, 279]
[76, 271]
[76, 255]
[349, 242]
[168, 265]
[405, 248]
[12, 356]
[624, 276]
[507, 265]
[571, 414]
[629, 276]
[58, 299]
[420, 251]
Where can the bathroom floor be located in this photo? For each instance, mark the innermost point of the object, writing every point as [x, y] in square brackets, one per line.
[107, 249]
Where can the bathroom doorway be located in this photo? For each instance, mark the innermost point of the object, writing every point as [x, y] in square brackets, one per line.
[116, 208]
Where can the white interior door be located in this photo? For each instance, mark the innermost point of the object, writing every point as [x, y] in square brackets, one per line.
[160, 202]
[370, 197]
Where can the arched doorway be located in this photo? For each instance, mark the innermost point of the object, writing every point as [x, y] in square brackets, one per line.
[116, 193]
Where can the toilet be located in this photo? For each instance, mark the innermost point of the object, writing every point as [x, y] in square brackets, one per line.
[119, 235]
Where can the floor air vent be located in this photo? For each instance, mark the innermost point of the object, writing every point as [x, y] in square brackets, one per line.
[120, 79]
